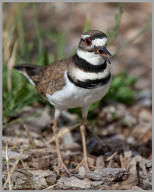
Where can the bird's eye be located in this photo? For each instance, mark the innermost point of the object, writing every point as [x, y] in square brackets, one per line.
[88, 41]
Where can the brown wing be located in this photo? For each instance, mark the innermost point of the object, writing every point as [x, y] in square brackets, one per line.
[52, 77]
[47, 79]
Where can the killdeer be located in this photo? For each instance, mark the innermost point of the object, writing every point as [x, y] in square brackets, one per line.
[77, 81]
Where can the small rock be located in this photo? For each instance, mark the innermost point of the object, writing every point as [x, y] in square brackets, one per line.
[131, 140]
[13, 155]
[82, 171]
[136, 188]
[30, 179]
[73, 182]
[145, 115]
[142, 132]
[68, 142]
[51, 179]
[108, 174]
[148, 164]
[100, 162]
[145, 98]
[93, 176]
[96, 183]
[145, 183]
[128, 120]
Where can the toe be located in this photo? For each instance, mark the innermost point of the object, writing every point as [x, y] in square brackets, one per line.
[61, 166]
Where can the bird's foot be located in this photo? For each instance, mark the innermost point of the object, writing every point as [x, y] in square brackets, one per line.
[61, 166]
[83, 162]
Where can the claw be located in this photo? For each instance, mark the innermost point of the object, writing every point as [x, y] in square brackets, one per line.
[61, 165]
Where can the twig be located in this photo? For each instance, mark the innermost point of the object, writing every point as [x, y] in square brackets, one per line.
[52, 185]
[31, 140]
[10, 65]
[63, 132]
[13, 169]
[99, 140]
[112, 35]
[111, 157]
[122, 162]
[8, 170]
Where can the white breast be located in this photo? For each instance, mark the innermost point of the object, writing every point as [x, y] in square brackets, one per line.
[72, 96]
[82, 75]
[90, 57]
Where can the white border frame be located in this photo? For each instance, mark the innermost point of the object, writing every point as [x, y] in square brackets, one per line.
[73, 1]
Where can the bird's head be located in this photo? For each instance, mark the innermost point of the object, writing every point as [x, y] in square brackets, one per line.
[92, 47]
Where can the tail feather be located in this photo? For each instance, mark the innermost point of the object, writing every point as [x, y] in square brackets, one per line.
[29, 71]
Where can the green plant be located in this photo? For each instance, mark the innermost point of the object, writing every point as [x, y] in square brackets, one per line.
[113, 33]
[21, 95]
[122, 89]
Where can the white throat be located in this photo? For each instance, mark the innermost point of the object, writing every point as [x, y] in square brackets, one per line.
[90, 57]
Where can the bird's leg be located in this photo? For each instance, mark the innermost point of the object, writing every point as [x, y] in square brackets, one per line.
[55, 131]
[82, 130]
[85, 159]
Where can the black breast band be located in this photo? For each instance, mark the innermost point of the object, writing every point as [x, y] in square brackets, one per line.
[90, 84]
[87, 67]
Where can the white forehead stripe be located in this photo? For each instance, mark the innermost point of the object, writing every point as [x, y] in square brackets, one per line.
[84, 36]
[99, 42]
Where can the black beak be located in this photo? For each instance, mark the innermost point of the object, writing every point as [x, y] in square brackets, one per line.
[103, 52]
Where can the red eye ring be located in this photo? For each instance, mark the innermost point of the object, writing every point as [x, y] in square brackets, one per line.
[88, 41]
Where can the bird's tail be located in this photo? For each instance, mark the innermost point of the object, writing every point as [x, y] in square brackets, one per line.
[29, 71]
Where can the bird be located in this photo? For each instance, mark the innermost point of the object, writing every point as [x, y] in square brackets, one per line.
[77, 81]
